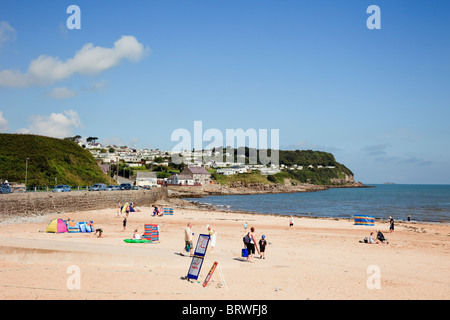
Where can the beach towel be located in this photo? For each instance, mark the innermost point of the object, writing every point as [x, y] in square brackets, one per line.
[82, 226]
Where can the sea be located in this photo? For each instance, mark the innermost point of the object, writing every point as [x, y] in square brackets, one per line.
[423, 203]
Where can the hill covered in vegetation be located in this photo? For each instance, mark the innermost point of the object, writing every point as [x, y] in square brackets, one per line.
[300, 166]
[48, 158]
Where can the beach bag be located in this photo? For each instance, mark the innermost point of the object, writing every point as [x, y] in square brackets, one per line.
[246, 239]
[244, 253]
[380, 236]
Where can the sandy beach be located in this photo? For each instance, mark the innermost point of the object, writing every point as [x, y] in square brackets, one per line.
[315, 259]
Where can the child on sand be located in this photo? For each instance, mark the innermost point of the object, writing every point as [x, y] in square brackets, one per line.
[99, 231]
[262, 247]
[124, 223]
[136, 235]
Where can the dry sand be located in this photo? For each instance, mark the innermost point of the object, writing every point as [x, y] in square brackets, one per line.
[316, 259]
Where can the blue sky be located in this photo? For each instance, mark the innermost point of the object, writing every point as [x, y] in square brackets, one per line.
[379, 100]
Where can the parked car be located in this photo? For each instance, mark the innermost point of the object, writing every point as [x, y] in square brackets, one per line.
[125, 186]
[112, 188]
[5, 188]
[61, 188]
[98, 187]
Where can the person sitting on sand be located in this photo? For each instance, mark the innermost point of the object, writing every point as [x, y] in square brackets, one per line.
[157, 211]
[372, 240]
[136, 235]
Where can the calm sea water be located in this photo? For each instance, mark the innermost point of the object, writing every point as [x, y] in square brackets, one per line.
[427, 203]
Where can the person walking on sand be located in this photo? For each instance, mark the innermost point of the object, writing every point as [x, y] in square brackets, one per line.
[119, 211]
[212, 236]
[251, 244]
[291, 221]
[391, 224]
[124, 223]
[262, 247]
[188, 239]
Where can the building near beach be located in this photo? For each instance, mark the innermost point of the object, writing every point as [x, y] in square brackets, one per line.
[199, 174]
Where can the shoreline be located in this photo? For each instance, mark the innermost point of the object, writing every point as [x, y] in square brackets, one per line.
[213, 207]
[253, 188]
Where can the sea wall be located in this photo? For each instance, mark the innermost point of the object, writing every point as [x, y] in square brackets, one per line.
[31, 204]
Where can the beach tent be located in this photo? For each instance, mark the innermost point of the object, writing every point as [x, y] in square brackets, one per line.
[73, 227]
[56, 226]
[364, 220]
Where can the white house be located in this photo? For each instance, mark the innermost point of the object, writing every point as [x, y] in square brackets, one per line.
[180, 179]
[146, 179]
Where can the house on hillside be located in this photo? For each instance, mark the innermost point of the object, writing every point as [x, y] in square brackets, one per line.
[199, 174]
[180, 179]
[144, 178]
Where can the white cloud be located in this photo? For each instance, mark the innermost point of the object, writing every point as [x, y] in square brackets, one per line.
[61, 93]
[3, 123]
[58, 125]
[7, 33]
[89, 60]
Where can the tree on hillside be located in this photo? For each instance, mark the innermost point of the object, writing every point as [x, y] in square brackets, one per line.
[75, 139]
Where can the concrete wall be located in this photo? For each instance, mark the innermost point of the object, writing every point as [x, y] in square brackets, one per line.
[29, 204]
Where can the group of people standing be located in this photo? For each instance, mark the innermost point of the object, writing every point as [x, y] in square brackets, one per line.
[250, 244]
[189, 238]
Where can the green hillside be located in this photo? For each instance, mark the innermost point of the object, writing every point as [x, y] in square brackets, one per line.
[49, 158]
[331, 172]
